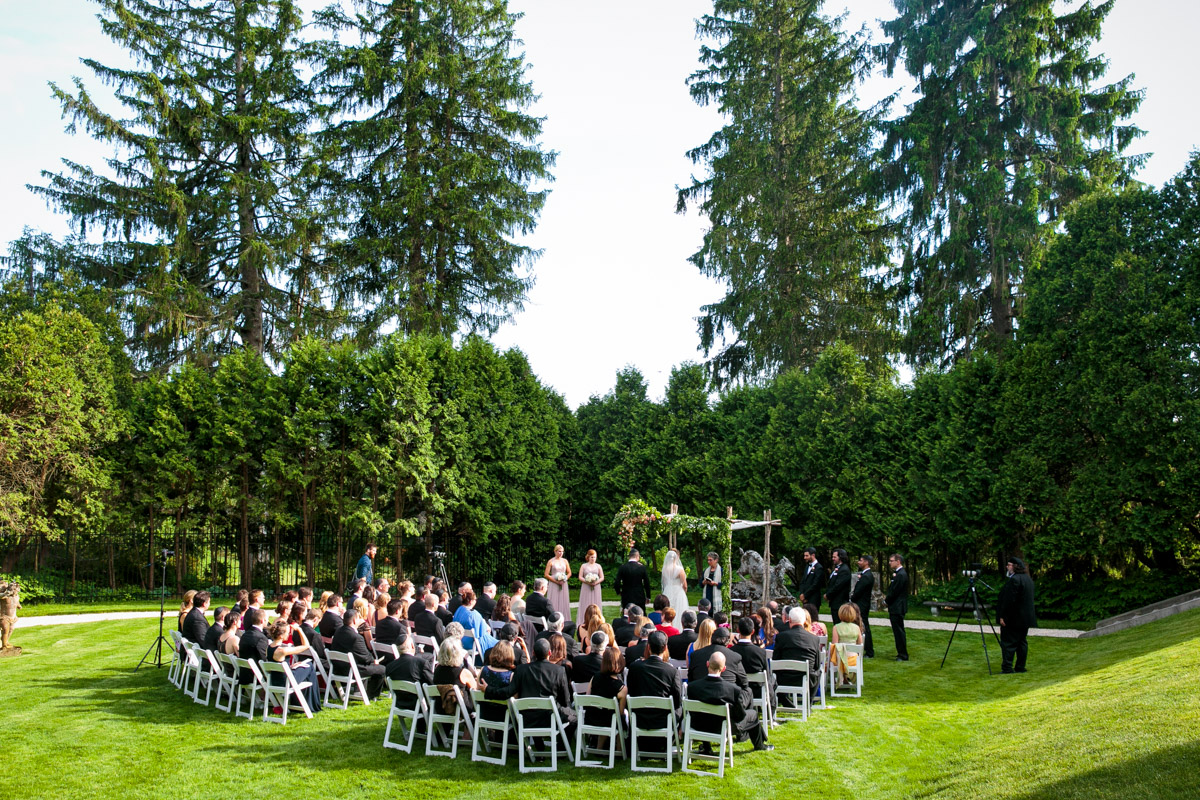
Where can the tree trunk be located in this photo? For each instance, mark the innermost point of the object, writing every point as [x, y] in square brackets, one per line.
[244, 556]
[248, 265]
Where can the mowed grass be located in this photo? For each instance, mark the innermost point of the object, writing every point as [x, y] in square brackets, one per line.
[1115, 717]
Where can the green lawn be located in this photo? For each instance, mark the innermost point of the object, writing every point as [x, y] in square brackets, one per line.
[1115, 717]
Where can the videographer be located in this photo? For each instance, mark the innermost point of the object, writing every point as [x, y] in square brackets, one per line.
[1017, 616]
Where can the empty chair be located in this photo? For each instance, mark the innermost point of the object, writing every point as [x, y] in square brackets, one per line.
[614, 730]
[797, 696]
[762, 697]
[482, 725]
[723, 738]
[408, 706]
[528, 735]
[667, 733]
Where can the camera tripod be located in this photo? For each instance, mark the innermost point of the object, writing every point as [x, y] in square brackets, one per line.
[980, 611]
[157, 645]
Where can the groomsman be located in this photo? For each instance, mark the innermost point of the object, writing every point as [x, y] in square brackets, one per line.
[837, 591]
[861, 597]
[897, 604]
[812, 580]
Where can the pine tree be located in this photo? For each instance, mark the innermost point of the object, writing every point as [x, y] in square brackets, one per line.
[793, 232]
[205, 218]
[1006, 131]
[434, 158]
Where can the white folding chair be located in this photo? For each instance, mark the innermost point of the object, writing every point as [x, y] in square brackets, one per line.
[435, 718]
[482, 726]
[855, 669]
[204, 675]
[554, 731]
[723, 738]
[636, 704]
[385, 650]
[175, 671]
[614, 730]
[762, 700]
[427, 642]
[581, 687]
[321, 665]
[283, 695]
[408, 705]
[191, 670]
[538, 622]
[496, 624]
[251, 690]
[680, 664]
[797, 694]
[225, 670]
[348, 685]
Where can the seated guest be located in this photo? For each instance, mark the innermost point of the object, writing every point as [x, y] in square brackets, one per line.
[624, 628]
[231, 639]
[411, 665]
[721, 618]
[184, 607]
[380, 611]
[505, 612]
[311, 617]
[255, 598]
[703, 638]
[348, 640]
[540, 678]
[592, 620]
[637, 650]
[457, 599]
[497, 673]
[356, 592]
[253, 644]
[516, 590]
[754, 656]
[797, 644]
[845, 632]
[536, 605]
[241, 601]
[512, 634]
[212, 639]
[278, 649]
[815, 625]
[654, 677]
[586, 666]
[443, 610]
[305, 595]
[667, 625]
[677, 645]
[452, 670]
[334, 614]
[368, 594]
[660, 603]
[365, 612]
[382, 585]
[320, 605]
[473, 623]
[703, 610]
[713, 690]
[455, 630]
[195, 625]
[734, 671]
[485, 602]
[765, 635]
[425, 620]
[558, 651]
[554, 624]
[283, 610]
[608, 682]
[388, 629]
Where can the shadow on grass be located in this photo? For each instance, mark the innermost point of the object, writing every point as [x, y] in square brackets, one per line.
[1166, 773]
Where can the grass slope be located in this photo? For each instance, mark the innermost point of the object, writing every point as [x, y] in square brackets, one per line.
[1108, 718]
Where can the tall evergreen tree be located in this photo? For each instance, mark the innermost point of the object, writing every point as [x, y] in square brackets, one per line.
[1008, 128]
[793, 232]
[434, 162]
[205, 219]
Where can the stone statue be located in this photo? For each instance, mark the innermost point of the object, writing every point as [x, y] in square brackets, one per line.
[10, 601]
[750, 583]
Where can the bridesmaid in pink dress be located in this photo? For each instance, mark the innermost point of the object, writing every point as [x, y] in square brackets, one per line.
[558, 572]
[589, 591]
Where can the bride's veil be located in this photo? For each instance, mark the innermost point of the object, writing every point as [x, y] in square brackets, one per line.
[670, 569]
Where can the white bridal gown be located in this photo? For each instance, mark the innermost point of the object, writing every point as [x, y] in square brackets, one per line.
[672, 584]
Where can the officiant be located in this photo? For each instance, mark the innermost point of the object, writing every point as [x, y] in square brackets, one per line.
[712, 582]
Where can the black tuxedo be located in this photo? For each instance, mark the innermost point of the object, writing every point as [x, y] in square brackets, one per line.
[624, 632]
[754, 658]
[653, 677]
[861, 597]
[444, 614]
[712, 690]
[212, 639]
[572, 644]
[455, 602]
[388, 629]
[897, 603]
[329, 624]
[797, 644]
[426, 623]
[536, 605]
[485, 605]
[812, 581]
[314, 640]
[584, 667]
[635, 651]
[633, 583]
[195, 626]
[700, 617]
[837, 590]
[1015, 607]
[252, 647]
[348, 640]
[677, 645]
[539, 679]
[417, 668]
[734, 672]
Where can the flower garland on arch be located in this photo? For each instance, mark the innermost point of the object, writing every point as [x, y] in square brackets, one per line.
[635, 515]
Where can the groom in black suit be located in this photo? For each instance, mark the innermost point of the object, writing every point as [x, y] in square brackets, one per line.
[632, 581]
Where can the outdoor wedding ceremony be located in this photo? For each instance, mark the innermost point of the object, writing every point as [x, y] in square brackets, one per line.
[705, 398]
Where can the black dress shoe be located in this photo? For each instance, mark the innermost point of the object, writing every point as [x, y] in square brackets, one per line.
[765, 747]
[902, 658]
[705, 749]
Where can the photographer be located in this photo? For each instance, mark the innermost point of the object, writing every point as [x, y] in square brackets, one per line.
[1017, 616]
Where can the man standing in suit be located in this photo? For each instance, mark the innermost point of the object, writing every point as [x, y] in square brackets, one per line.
[540, 678]
[195, 626]
[654, 677]
[536, 605]
[861, 597]
[253, 644]
[796, 644]
[714, 691]
[1017, 615]
[837, 591]
[897, 604]
[813, 579]
[485, 604]
[632, 581]
[348, 640]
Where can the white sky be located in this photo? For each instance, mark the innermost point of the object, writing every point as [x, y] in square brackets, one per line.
[614, 286]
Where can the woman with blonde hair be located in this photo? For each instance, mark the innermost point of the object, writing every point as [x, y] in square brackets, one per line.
[557, 573]
[186, 606]
[366, 614]
[381, 603]
[451, 670]
[847, 631]
[703, 637]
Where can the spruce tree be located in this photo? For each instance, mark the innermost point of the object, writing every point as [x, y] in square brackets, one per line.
[793, 232]
[206, 225]
[1008, 128]
[434, 159]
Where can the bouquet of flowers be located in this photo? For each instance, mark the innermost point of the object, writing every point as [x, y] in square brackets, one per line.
[559, 576]
[591, 579]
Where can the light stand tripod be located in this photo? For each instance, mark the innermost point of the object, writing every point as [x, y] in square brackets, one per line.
[157, 645]
[978, 609]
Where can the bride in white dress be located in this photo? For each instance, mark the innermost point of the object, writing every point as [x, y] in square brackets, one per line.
[674, 582]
